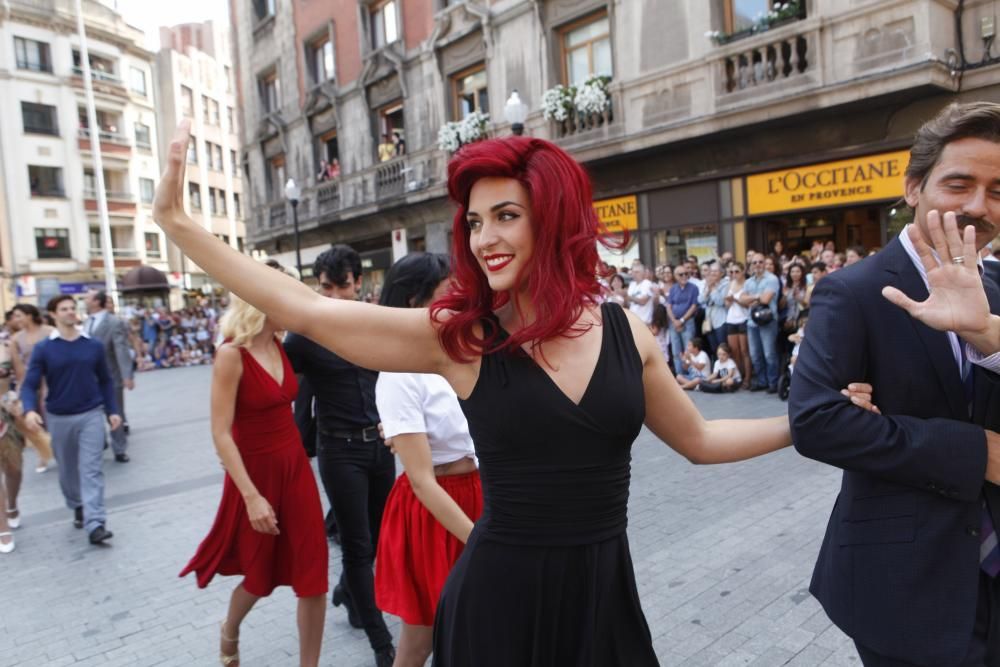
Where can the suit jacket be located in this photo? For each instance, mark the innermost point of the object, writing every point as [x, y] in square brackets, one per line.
[113, 332]
[898, 569]
[992, 269]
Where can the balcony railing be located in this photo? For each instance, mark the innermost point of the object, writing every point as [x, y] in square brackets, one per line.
[116, 195]
[390, 178]
[277, 215]
[98, 75]
[122, 253]
[47, 192]
[592, 126]
[106, 136]
[770, 63]
[328, 197]
[41, 129]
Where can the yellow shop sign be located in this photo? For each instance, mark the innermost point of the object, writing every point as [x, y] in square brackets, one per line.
[618, 214]
[862, 179]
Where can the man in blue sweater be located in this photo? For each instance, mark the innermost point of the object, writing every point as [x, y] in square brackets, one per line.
[81, 392]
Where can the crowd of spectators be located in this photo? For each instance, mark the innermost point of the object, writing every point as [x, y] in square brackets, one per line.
[725, 325]
[171, 339]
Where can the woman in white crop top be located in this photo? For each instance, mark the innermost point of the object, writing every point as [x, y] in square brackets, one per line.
[432, 506]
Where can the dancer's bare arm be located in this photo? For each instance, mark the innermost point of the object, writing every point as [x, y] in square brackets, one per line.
[395, 339]
[226, 371]
[673, 417]
[415, 453]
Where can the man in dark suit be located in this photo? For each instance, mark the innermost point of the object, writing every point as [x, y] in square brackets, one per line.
[105, 326]
[909, 562]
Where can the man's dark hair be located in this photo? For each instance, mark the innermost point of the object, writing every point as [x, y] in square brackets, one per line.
[698, 343]
[818, 265]
[56, 300]
[411, 281]
[975, 120]
[28, 310]
[337, 262]
[859, 250]
[101, 297]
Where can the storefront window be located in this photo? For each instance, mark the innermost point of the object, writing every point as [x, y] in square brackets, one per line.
[673, 246]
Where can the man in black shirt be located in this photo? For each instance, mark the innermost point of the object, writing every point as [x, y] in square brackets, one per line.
[357, 469]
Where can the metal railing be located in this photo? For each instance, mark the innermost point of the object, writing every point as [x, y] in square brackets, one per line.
[42, 129]
[115, 195]
[104, 135]
[98, 75]
[123, 253]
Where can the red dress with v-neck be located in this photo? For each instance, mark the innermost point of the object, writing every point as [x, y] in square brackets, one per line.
[265, 433]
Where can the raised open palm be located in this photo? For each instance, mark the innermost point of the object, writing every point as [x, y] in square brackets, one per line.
[957, 300]
[168, 202]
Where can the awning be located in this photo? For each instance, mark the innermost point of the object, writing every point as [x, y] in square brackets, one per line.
[144, 279]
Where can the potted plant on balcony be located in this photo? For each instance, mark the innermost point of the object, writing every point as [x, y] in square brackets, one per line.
[455, 134]
[592, 102]
[558, 105]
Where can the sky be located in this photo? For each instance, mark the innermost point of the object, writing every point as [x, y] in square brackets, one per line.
[150, 16]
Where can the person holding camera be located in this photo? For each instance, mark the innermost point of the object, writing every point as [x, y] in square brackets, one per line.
[760, 296]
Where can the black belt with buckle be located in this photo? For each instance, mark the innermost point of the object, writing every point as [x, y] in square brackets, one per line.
[367, 434]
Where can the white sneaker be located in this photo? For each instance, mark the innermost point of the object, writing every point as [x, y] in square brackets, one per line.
[45, 467]
[6, 547]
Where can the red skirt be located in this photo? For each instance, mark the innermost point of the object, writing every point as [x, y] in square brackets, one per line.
[415, 552]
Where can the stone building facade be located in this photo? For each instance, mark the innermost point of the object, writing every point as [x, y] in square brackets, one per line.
[730, 124]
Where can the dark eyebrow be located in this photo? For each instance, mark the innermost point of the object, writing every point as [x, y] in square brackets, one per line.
[497, 207]
[957, 176]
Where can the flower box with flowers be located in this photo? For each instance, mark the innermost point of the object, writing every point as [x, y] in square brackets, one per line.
[780, 14]
[455, 134]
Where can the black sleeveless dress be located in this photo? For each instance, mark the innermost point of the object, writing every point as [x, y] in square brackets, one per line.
[546, 578]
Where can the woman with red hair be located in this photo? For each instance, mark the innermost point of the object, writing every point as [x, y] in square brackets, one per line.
[555, 388]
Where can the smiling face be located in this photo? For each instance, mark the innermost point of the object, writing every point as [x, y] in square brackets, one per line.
[500, 234]
[966, 181]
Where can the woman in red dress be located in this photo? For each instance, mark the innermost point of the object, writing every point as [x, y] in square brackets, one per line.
[269, 527]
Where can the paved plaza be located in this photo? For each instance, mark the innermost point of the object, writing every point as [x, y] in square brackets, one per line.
[722, 554]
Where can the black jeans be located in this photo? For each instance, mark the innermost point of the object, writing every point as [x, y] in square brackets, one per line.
[357, 477]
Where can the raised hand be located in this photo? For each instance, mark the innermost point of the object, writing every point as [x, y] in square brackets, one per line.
[168, 202]
[957, 300]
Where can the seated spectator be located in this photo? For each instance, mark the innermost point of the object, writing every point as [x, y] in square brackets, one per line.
[726, 374]
[694, 365]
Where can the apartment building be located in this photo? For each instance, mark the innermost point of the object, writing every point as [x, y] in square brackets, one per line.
[195, 80]
[49, 227]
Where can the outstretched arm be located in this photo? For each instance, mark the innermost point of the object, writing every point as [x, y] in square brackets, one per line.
[400, 339]
[957, 300]
[672, 416]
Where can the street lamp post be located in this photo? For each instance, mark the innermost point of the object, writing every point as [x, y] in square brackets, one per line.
[515, 111]
[294, 194]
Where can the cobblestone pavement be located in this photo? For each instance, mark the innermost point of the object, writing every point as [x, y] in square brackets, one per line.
[722, 555]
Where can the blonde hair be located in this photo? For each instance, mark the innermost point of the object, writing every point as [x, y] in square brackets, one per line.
[242, 322]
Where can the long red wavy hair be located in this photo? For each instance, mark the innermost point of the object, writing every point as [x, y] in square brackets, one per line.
[561, 277]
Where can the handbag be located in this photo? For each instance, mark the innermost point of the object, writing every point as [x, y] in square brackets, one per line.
[761, 314]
